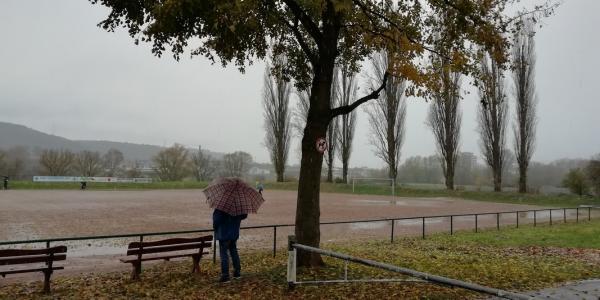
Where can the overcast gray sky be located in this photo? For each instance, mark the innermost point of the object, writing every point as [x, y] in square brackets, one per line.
[61, 74]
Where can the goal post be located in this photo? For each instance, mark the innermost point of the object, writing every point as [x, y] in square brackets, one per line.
[373, 181]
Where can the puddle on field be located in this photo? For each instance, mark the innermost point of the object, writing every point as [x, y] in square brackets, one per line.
[380, 202]
[398, 202]
[369, 225]
[414, 222]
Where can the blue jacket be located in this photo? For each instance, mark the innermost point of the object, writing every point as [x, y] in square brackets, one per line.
[226, 226]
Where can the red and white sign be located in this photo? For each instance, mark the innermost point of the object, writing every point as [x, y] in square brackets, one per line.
[321, 145]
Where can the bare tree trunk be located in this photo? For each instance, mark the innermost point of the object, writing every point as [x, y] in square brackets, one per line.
[492, 117]
[387, 115]
[345, 93]
[444, 120]
[449, 174]
[276, 95]
[523, 59]
[522, 180]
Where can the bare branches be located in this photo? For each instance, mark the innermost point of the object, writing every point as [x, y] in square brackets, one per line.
[492, 117]
[276, 97]
[523, 59]
[349, 108]
[346, 92]
[444, 120]
[387, 115]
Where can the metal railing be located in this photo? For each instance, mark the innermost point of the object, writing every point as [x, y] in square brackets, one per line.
[421, 276]
[393, 221]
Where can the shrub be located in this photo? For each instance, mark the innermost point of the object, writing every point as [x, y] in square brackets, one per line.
[576, 182]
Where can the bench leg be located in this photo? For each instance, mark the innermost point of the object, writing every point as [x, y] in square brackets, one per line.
[47, 275]
[137, 270]
[196, 263]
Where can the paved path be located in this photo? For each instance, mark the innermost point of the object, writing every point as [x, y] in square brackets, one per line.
[583, 290]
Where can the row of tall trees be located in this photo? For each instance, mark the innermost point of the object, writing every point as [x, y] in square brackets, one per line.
[386, 116]
[387, 113]
[445, 115]
[493, 111]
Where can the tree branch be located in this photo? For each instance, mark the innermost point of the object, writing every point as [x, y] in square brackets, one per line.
[305, 47]
[310, 26]
[346, 109]
[368, 12]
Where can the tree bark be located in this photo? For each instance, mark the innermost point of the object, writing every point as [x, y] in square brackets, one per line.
[497, 179]
[522, 180]
[308, 212]
[449, 173]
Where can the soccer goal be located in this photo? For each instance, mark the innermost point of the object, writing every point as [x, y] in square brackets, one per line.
[365, 182]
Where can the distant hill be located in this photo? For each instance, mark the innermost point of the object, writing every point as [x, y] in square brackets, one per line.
[12, 135]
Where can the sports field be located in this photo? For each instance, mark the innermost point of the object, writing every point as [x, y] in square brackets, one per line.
[39, 214]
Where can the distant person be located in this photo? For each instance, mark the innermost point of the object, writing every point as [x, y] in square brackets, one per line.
[83, 185]
[5, 182]
[259, 187]
[227, 232]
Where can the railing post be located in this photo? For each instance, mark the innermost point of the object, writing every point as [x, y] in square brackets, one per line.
[498, 221]
[534, 218]
[517, 219]
[345, 270]
[291, 266]
[423, 227]
[476, 217]
[392, 233]
[451, 225]
[274, 241]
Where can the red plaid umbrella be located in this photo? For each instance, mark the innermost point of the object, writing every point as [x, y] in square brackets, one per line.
[233, 196]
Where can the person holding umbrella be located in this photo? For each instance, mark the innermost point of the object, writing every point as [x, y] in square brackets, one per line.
[227, 232]
[232, 200]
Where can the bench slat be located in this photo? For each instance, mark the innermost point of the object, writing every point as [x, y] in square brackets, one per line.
[179, 247]
[29, 270]
[131, 260]
[31, 259]
[22, 252]
[207, 238]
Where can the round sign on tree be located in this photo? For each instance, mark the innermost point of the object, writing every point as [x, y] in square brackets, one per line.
[321, 145]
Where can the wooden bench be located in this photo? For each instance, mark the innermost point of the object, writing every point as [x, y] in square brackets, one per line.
[30, 256]
[137, 252]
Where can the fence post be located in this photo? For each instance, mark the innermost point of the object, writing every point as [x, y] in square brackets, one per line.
[423, 227]
[498, 221]
[291, 265]
[274, 241]
[551, 217]
[392, 234]
[577, 218]
[589, 213]
[564, 215]
[476, 216]
[451, 225]
[517, 219]
[534, 218]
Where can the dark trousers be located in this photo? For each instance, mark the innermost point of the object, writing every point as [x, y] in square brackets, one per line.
[227, 247]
